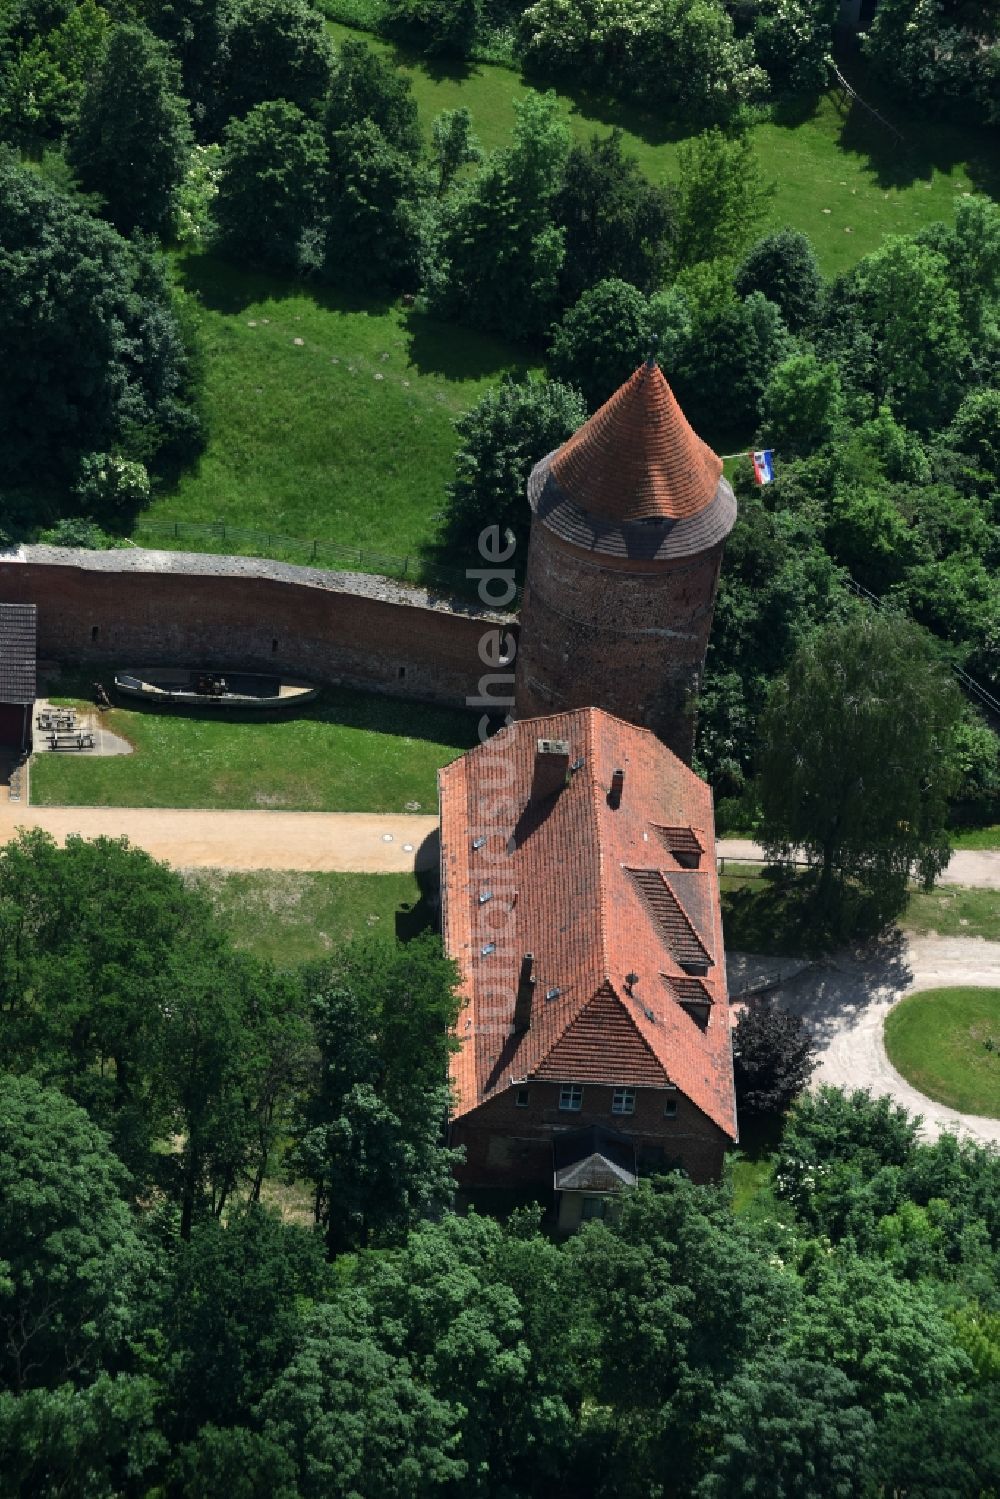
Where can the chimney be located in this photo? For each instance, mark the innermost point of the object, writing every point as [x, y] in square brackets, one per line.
[615, 794]
[525, 994]
[551, 769]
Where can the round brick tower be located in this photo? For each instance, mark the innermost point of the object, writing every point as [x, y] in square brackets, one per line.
[629, 520]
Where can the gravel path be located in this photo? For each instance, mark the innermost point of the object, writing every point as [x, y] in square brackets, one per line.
[845, 999]
[967, 867]
[349, 842]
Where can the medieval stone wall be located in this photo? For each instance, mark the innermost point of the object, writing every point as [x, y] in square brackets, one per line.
[624, 636]
[145, 608]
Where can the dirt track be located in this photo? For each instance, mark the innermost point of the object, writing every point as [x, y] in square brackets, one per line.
[338, 841]
[968, 866]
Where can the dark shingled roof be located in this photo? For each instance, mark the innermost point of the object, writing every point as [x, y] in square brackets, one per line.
[17, 653]
[635, 480]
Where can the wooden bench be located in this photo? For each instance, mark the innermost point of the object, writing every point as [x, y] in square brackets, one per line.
[79, 741]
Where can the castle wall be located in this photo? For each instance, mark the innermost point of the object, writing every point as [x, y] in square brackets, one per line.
[629, 637]
[145, 608]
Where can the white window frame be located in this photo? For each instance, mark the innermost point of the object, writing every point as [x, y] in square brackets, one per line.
[623, 1101]
[571, 1097]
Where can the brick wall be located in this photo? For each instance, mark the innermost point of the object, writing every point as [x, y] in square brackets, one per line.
[626, 636]
[139, 608]
[509, 1146]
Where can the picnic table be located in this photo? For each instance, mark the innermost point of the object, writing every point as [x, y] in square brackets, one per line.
[56, 718]
[82, 739]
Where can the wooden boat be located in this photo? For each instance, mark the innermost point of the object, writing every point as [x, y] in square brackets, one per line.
[178, 687]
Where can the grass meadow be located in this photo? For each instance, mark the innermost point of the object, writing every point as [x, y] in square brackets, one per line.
[946, 1042]
[347, 752]
[330, 416]
[290, 918]
[777, 916]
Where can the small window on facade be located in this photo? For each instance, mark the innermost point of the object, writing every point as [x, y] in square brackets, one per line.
[274, 647]
[571, 1097]
[670, 1109]
[94, 632]
[521, 1098]
[401, 672]
[623, 1101]
[593, 1207]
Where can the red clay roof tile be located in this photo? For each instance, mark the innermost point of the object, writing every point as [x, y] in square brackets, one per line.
[561, 877]
[637, 458]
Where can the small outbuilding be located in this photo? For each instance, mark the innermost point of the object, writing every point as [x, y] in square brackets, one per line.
[18, 653]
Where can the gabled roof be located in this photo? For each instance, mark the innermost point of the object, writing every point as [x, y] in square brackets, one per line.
[17, 653]
[592, 1159]
[635, 480]
[563, 880]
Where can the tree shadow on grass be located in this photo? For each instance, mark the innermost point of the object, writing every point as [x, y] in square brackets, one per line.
[603, 111]
[776, 912]
[457, 353]
[928, 145]
[226, 288]
[345, 707]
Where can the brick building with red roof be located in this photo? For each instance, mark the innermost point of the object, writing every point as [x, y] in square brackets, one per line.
[630, 517]
[580, 900]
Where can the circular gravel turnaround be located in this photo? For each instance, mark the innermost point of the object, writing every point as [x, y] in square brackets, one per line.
[946, 1042]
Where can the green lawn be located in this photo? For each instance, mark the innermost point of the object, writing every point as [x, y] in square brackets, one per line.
[988, 837]
[289, 918]
[946, 1042]
[768, 916]
[835, 160]
[954, 911]
[347, 436]
[348, 752]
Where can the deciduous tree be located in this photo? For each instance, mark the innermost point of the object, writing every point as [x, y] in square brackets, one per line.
[721, 197]
[497, 256]
[269, 209]
[784, 267]
[858, 759]
[365, 87]
[774, 1056]
[601, 340]
[273, 49]
[71, 1258]
[132, 138]
[618, 224]
[368, 1136]
[500, 440]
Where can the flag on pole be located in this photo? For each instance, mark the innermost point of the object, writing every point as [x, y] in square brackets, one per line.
[763, 465]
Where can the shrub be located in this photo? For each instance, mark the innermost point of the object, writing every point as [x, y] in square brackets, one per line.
[437, 27]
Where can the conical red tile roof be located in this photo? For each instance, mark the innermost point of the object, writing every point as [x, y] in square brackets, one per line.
[637, 458]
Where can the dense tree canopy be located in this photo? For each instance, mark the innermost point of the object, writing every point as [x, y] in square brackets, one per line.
[94, 353]
[273, 49]
[132, 138]
[72, 1261]
[500, 441]
[272, 177]
[858, 758]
